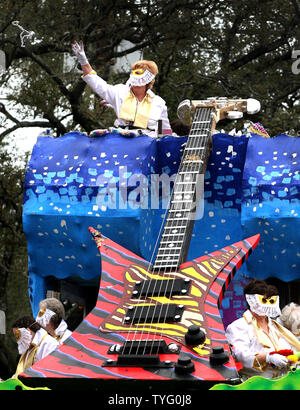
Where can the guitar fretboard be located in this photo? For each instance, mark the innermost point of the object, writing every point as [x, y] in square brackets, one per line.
[188, 185]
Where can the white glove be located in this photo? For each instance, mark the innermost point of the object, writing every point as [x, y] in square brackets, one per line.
[106, 104]
[277, 360]
[78, 49]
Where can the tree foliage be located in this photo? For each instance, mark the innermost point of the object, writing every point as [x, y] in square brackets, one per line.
[14, 300]
[203, 49]
[12, 242]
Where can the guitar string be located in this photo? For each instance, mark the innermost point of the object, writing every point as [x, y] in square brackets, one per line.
[132, 335]
[166, 251]
[158, 242]
[166, 245]
[139, 332]
[180, 208]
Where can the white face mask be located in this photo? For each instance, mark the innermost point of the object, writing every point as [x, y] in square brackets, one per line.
[140, 77]
[24, 338]
[263, 306]
[44, 316]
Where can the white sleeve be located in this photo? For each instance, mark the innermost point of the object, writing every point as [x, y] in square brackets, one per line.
[50, 344]
[165, 119]
[110, 93]
[238, 337]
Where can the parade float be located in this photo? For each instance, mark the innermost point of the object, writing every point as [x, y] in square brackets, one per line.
[93, 210]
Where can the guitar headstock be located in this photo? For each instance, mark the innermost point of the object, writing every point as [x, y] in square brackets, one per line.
[223, 108]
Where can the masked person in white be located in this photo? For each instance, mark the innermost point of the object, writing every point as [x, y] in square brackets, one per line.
[34, 343]
[134, 103]
[51, 317]
[256, 337]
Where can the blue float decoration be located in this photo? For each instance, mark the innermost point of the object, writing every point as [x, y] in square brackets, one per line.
[73, 182]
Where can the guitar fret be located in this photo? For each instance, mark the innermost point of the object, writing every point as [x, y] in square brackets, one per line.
[183, 192]
[190, 172]
[190, 148]
[169, 255]
[177, 210]
[199, 135]
[171, 248]
[194, 161]
[173, 234]
[185, 182]
[185, 177]
[175, 267]
[167, 241]
[168, 245]
[168, 259]
[201, 122]
[179, 218]
[175, 227]
[182, 201]
[179, 214]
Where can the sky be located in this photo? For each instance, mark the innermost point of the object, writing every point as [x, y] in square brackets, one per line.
[25, 138]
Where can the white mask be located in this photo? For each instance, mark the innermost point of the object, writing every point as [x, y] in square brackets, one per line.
[263, 306]
[44, 316]
[140, 77]
[24, 338]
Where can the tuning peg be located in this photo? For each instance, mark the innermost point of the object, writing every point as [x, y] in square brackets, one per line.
[234, 115]
[184, 112]
[253, 106]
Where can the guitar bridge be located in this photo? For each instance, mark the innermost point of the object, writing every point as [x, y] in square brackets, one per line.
[142, 353]
[142, 347]
[131, 360]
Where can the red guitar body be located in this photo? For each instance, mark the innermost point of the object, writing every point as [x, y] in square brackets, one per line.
[85, 360]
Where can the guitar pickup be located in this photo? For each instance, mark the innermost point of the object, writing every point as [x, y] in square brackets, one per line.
[154, 314]
[165, 288]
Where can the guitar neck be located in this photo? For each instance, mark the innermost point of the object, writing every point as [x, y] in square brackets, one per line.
[187, 191]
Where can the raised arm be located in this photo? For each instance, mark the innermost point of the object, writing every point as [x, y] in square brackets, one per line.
[78, 50]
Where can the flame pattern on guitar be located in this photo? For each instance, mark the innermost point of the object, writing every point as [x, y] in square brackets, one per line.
[202, 274]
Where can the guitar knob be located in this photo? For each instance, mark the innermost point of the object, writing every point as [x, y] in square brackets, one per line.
[184, 365]
[218, 356]
[194, 336]
[253, 106]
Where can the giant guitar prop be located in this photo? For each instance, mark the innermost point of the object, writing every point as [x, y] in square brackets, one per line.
[157, 325]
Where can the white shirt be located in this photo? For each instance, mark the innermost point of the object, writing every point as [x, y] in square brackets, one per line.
[63, 332]
[115, 94]
[46, 343]
[241, 335]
